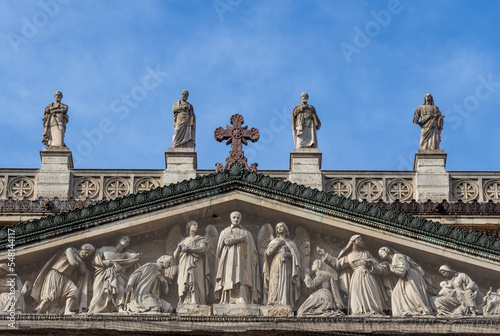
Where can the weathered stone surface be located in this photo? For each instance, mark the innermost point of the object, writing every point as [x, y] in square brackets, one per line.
[239, 309]
[277, 311]
[53, 179]
[181, 164]
[192, 309]
[305, 165]
[432, 182]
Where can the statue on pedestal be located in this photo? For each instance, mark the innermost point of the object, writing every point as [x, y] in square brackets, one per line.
[362, 283]
[305, 122]
[62, 286]
[146, 287]
[281, 269]
[184, 123]
[459, 294]
[111, 264]
[192, 254]
[54, 120]
[237, 278]
[409, 295]
[429, 118]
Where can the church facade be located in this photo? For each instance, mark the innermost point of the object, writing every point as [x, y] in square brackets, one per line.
[183, 250]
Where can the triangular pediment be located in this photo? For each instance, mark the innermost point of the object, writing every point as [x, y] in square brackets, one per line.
[330, 221]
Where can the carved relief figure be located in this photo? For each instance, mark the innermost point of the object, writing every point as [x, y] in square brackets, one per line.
[363, 286]
[323, 301]
[111, 263]
[54, 120]
[193, 278]
[62, 286]
[237, 278]
[12, 291]
[282, 269]
[491, 303]
[409, 295]
[146, 287]
[459, 295]
[305, 122]
[184, 123]
[429, 118]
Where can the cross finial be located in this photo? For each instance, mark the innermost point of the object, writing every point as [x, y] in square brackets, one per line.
[236, 136]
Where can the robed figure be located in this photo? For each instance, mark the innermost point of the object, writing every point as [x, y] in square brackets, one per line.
[305, 122]
[54, 121]
[147, 286]
[282, 269]
[430, 120]
[184, 123]
[237, 278]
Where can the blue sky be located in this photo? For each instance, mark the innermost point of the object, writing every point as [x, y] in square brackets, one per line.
[366, 65]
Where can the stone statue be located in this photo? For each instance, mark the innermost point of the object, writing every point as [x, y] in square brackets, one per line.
[305, 122]
[111, 264]
[12, 291]
[409, 294]
[281, 269]
[184, 123]
[192, 254]
[431, 123]
[54, 120]
[237, 280]
[459, 295]
[363, 286]
[146, 287]
[322, 301]
[491, 303]
[62, 286]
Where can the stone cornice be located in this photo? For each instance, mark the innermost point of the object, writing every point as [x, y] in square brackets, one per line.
[237, 178]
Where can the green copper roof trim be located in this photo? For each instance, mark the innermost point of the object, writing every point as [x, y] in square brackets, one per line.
[237, 178]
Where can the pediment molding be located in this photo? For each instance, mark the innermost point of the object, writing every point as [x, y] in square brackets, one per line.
[237, 178]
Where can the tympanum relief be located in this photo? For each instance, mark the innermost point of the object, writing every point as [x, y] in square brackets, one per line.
[289, 269]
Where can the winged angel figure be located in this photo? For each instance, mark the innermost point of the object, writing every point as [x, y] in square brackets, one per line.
[193, 255]
[284, 262]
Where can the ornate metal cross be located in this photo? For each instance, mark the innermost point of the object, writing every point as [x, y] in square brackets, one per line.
[236, 136]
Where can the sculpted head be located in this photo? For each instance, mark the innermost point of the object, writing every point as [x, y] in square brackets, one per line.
[357, 242]
[123, 241]
[304, 97]
[184, 95]
[86, 250]
[58, 96]
[235, 218]
[165, 261]
[384, 253]
[447, 271]
[282, 229]
[428, 100]
[191, 226]
[318, 265]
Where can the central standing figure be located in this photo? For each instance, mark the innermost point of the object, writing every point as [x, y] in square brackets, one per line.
[237, 279]
[305, 122]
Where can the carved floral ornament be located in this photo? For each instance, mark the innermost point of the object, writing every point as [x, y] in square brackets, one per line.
[465, 190]
[400, 189]
[21, 187]
[116, 187]
[1, 185]
[145, 184]
[492, 190]
[86, 187]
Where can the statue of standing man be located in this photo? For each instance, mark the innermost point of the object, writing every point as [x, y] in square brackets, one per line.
[54, 120]
[305, 122]
[238, 277]
[431, 123]
[184, 123]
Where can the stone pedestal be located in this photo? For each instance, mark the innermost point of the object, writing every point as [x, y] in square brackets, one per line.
[277, 311]
[192, 309]
[236, 309]
[432, 182]
[55, 173]
[180, 165]
[305, 165]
